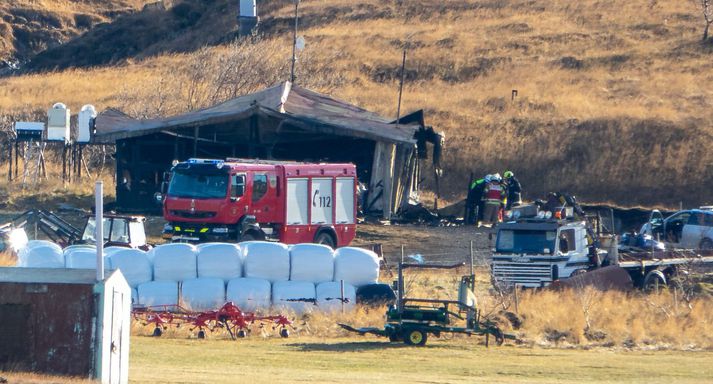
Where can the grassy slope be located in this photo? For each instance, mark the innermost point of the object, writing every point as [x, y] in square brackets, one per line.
[612, 105]
[28, 27]
[368, 360]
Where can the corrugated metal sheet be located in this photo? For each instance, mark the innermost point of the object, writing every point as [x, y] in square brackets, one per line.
[314, 111]
[46, 327]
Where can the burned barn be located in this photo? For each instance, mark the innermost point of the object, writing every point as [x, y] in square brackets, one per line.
[284, 122]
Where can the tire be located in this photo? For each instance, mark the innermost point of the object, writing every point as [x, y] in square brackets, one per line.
[241, 333]
[653, 282]
[415, 337]
[325, 238]
[157, 332]
[284, 333]
[706, 245]
[201, 334]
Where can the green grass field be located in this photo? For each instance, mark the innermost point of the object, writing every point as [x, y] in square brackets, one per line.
[371, 360]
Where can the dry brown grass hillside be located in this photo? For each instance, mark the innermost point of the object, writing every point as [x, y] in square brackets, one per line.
[28, 27]
[614, 100]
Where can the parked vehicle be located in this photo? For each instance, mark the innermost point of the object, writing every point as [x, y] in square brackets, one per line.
[239, 200]
[688, 229]
[538, 250]
[119, 230]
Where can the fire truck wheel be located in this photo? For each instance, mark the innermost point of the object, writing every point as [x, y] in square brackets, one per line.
[325, 239]
[284, 333]
[415, 337]
[157, 332]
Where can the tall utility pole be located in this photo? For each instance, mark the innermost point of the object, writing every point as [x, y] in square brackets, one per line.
[294, 44]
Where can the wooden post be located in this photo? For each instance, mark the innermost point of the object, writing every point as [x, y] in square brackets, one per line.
[9, 167]
[341, 292]
[517, 302]
[17, 147]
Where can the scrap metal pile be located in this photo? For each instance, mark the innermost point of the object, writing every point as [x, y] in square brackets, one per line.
[229, 317]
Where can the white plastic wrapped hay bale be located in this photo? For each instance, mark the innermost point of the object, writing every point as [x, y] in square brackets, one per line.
[174, 262]
[153, 293]
[298, 296]
[311, 262]
[43, 256]
[221, 260]
[112, 250]
[329, 296]
[265, 260]
[203, 294]
[249, 293]
[78, 247]
[84, 259]
[23, 252]
[134, 265]
[356, 266]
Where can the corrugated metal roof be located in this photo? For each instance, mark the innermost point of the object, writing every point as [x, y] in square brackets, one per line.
[314, 111]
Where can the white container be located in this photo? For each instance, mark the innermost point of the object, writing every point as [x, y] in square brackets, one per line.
[248, 8]
[44, 256]
[298, 296]
[158, 293]
[311, 262]
[356, 266]
[174, 262]
[329, 296]
[266, 260]
[222, 260]
[85, 123]
[203, 294]
[58, 123]
[249, 294]
[134, 265]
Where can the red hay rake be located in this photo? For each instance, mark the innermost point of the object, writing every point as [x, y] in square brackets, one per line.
[229, 317]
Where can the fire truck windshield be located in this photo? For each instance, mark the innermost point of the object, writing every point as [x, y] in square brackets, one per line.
[526, 241]
[198, 185]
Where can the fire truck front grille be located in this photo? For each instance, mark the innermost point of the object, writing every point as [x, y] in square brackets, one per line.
[529, 275]
[194, 214]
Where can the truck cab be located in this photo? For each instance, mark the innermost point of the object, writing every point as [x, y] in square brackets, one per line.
[534, 252]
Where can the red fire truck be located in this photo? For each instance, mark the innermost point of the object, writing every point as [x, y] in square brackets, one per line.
[239, 200]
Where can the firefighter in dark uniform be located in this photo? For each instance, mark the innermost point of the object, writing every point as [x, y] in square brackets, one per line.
[514, 190]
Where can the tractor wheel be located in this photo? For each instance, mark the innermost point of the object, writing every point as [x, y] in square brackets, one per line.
[201, 334]
[415, 337]
[241, 333]
[157, 332]
[248, 236]
[284, 333]
[325, 238]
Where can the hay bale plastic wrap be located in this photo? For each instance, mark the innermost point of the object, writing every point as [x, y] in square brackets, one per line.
[22, 253]
[174, 262]
[356, 266]
[221, 260]
[249, 293]
[329, 298]
[264, 260]
[311, 262]
[112, 250]
[77, 247]
[134, 265]
[84, 259]
[43, 256]
[298, 296]
[154, 293]
[203, 294]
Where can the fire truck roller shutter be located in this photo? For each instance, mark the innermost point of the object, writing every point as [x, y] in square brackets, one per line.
[297, 200]
[322, 201]
[344, 201]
